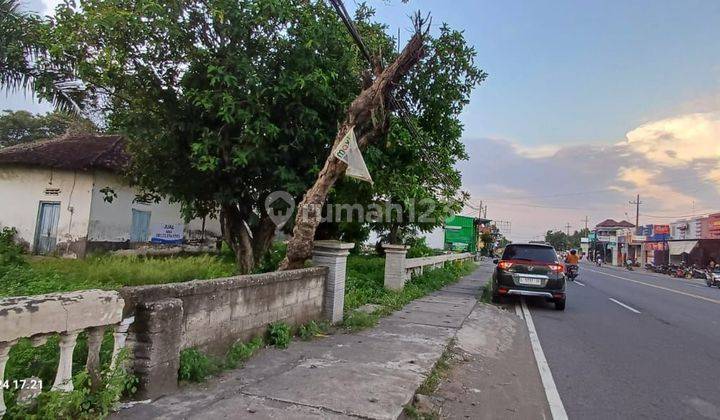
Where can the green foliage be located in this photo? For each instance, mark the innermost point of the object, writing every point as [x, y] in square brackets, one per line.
[562, 242]
[365, 284]
[486, 293]
[312, 329]
[17, 127]
[195, 366]
[10, 252]
[418, 247]
[279, 335]
[46, 275]
[240, 352]
[357, 320]
[81, 403]
[272, 258]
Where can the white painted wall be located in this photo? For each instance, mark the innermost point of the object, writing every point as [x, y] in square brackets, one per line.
[111, 222]
[83, 212]
[22, 189]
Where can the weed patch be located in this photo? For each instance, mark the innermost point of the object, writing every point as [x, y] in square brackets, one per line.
[357, 321]
[439, 371]
[312, 329]
[365, 284]
[240, 352]
[195, 366]
[279, 335]
[81, 403]
[486, 292]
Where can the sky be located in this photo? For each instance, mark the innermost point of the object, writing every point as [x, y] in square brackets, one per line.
[587, 104]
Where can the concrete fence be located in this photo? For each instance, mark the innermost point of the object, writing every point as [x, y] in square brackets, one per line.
[158, 321]
[66, 314]
[399, 269]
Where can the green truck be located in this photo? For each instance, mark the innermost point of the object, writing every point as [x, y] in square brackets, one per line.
[462, 233]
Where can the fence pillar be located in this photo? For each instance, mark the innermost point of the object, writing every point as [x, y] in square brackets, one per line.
[395, 266]
[157, 331]
[333, 255]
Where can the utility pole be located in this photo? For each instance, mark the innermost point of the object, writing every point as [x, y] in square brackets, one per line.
[485, 212]
[586, 220]
[567, 228]
[637, 203]
[480, 210]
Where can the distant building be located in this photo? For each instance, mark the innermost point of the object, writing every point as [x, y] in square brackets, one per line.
[66, 196]
[611, 241]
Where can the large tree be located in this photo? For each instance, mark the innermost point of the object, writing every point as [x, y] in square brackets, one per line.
[225, 101]
[18, 127]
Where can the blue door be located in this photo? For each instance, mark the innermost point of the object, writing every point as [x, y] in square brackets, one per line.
[46, 230]
[139, 230]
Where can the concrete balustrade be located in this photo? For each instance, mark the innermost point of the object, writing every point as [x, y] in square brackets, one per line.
[399, 269]
[67, 314]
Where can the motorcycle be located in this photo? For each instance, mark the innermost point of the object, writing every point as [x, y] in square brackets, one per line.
[681, 272]
[698, 273]
[713, 278]
[629, 265]
[571, 271]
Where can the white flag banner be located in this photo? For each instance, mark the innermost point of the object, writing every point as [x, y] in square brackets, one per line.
[349, 152]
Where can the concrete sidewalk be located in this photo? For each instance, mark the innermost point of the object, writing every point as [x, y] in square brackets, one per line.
[370, 374]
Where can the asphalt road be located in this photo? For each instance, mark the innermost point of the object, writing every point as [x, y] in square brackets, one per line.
[656, 357]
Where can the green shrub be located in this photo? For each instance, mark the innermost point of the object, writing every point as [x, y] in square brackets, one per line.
[10, 252]
[240, 352]
[195, 366]
[418, 248]
[279, 335]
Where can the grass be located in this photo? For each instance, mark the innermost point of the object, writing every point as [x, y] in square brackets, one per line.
[439, 371]
[486, 293]
[365, 284]
[46, 274]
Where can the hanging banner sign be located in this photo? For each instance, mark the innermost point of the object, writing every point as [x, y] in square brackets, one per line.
[349, 152]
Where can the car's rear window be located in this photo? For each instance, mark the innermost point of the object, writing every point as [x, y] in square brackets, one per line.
[529, 252]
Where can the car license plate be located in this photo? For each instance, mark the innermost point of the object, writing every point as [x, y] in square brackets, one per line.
[530, 281]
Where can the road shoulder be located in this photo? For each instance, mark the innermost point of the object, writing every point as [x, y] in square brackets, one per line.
[492, 372]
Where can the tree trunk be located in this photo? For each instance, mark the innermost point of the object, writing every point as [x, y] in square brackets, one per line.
[263, 235]
[393, 234]
[236, 234]
[367, 114]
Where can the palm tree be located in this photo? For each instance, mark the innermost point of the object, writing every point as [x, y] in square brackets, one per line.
[24, 63]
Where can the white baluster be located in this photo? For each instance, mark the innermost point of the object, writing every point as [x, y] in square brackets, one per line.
[63, 379]
[4, 351]
[120, 335]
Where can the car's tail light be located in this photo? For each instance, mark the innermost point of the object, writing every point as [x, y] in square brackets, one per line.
[504, 265]
[502, 290]
[558, 268]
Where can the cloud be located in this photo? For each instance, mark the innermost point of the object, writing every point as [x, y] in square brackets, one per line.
[672, 163]
[678, 141]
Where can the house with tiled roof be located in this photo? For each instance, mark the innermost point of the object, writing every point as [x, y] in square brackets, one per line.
[68, 196]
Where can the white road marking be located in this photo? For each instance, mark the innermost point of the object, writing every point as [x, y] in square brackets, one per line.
[625, 306]
[660, 287]
[518, 311]
[551, 393]
[577, 282]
